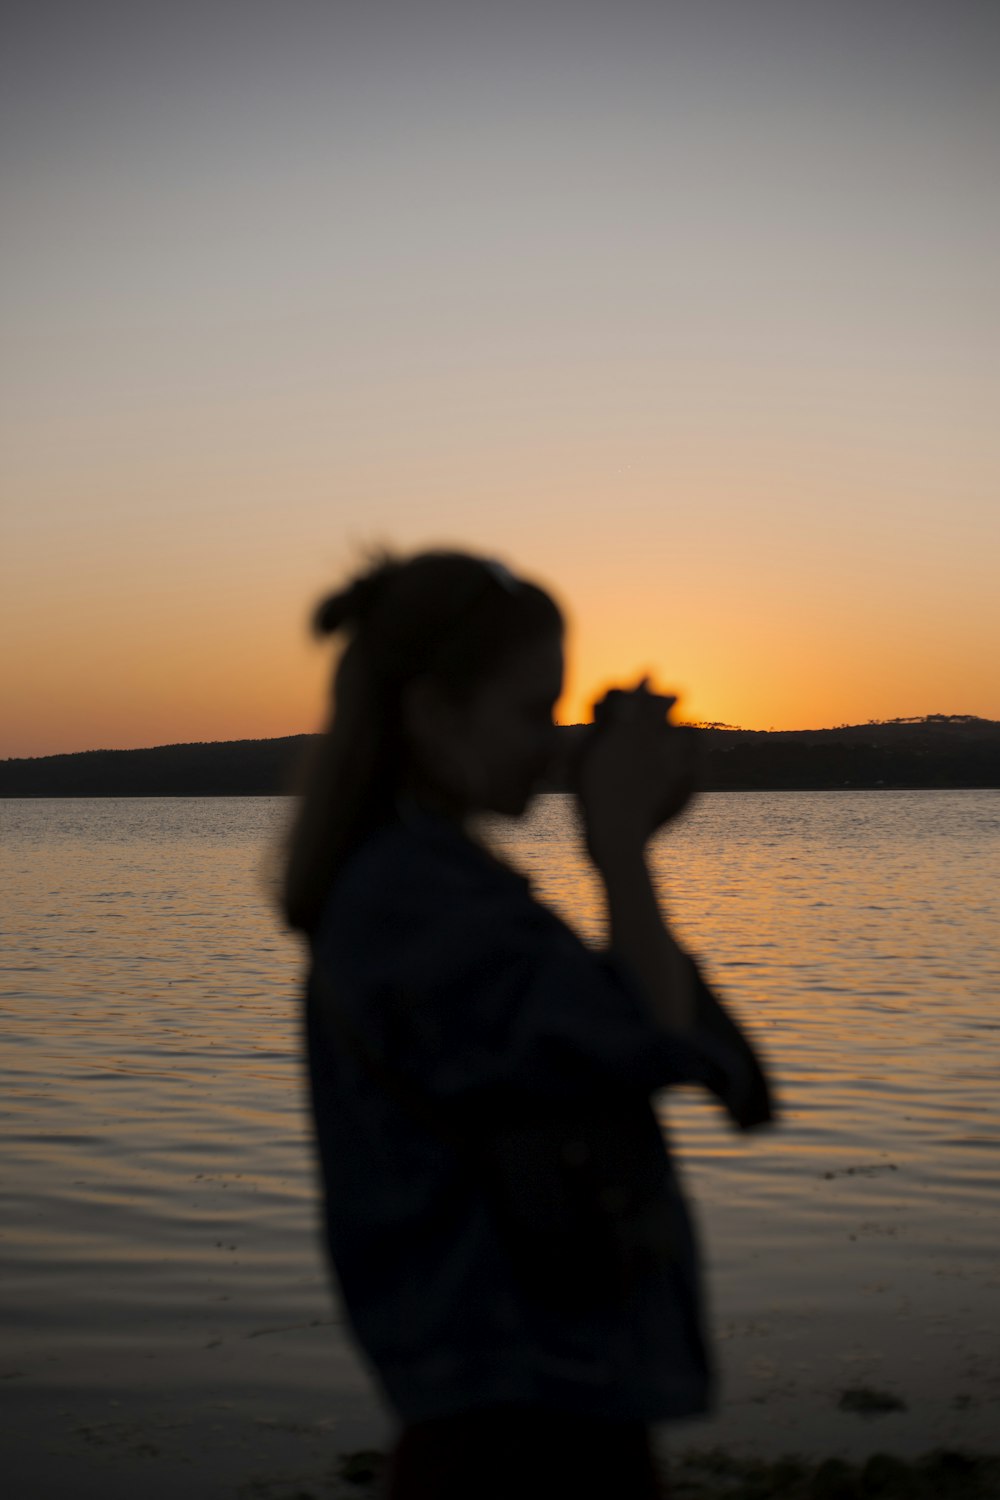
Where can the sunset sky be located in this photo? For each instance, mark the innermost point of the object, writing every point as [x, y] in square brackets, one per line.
[689, 310]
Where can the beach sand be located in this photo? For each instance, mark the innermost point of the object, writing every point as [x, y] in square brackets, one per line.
[872, 1333]
[265, 1415]
[289, 1413]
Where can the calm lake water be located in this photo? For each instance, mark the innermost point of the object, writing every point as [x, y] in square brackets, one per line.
[158, 1202]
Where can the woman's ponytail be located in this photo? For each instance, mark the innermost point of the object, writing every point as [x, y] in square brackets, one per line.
[352, 606]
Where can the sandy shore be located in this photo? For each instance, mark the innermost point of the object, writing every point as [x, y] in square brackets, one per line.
[837, 1347]
[239, 1418]
[274, 1413]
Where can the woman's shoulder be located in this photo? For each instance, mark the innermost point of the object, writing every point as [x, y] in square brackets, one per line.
[416, 863]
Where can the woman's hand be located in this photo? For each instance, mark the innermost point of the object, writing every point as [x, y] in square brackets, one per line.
[636, 772]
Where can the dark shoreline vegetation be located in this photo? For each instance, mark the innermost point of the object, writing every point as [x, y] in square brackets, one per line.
[939, 751]
[714, 1474]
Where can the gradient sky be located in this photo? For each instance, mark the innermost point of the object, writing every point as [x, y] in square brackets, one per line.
[690, 310]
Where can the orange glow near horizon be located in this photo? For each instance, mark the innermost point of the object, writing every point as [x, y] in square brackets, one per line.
[178, 625]
[151, 666]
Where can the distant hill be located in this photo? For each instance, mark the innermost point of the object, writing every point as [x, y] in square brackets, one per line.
[940, 750]
[229, 768]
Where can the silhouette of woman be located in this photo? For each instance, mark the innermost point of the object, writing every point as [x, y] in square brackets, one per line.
[513, 1252]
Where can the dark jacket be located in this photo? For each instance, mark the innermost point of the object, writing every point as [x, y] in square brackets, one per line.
[448, 1011]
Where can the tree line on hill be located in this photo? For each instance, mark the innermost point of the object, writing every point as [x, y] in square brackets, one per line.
[937, 751]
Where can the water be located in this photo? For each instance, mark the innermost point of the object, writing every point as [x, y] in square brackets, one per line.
[158, 1240]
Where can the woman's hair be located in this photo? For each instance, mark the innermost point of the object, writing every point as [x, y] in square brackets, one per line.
[446, 616]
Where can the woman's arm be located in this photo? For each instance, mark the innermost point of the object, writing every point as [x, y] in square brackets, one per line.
[641, 937]
[638, 773]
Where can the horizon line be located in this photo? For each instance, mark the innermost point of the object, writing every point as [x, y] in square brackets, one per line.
[705, 724]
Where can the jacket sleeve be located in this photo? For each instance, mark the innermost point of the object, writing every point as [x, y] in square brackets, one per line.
[468, 993]
[746, 1093]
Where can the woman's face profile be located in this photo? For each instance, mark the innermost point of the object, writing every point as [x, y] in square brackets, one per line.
[488, 752]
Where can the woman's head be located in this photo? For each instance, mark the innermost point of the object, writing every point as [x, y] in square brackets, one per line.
[445, 689]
